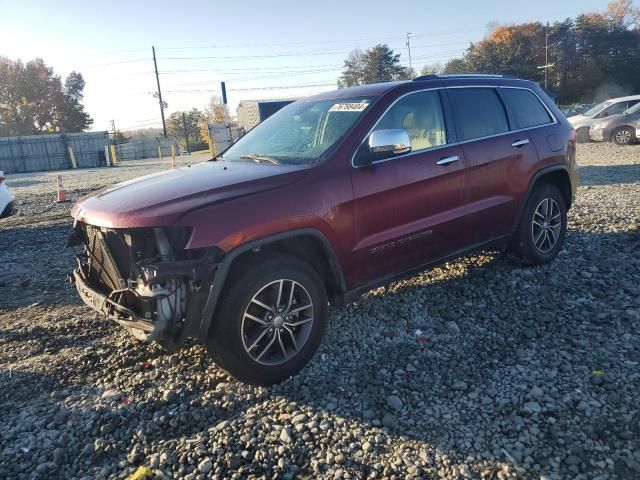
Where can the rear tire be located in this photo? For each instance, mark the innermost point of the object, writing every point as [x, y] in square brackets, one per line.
[543, 225]
[623, 136]
[263, 332]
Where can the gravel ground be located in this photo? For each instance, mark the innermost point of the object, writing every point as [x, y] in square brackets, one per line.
[478, 369]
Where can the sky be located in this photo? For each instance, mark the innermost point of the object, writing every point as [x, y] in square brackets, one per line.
[261, 49]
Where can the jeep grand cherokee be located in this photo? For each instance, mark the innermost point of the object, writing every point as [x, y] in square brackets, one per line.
[331, 196]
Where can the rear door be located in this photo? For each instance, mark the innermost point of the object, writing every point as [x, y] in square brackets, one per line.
[495, 157]
[409, 208]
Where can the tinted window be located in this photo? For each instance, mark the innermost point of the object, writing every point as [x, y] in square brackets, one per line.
[420, 114]
[526, 109]
[478, 112]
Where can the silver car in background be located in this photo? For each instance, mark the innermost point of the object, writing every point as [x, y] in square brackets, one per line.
[620, 129]
[613, 106]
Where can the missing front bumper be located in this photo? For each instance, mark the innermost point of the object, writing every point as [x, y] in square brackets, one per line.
[107, 307]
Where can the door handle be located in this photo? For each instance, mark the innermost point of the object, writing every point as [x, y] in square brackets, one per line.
[520, 143]
[448, 160]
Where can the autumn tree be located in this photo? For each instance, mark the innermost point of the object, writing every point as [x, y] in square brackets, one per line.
[455, 65]
[431, 69]
[377, 64]
[33, 99]
[176, 126]
[594, 56]
[215, 113]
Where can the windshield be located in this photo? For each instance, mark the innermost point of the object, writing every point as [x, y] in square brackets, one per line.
[592, 111]
[634, 109]
[299, 133]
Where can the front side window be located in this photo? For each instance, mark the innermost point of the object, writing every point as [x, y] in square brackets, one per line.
[478, 113]
[300, 133]
[598, 108]
[614, 109]
[525, 108]
[420, 115]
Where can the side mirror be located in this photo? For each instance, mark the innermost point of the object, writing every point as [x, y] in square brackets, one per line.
[389, 142]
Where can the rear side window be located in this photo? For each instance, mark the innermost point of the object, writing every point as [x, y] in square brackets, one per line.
[478, 112]
[525, 108]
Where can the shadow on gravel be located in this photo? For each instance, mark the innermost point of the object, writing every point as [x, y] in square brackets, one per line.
[609, 174]
[35, 264]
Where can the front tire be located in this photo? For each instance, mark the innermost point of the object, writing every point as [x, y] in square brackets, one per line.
[270, 321]
[582, 135]
[543, 225]
[623, 136]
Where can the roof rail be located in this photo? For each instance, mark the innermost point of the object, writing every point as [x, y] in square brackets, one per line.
[458, 75]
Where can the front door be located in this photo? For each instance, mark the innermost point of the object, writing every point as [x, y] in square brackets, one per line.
[408, 208]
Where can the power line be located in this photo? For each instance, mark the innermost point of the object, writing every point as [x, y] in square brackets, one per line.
[301, 53]
[311, 42]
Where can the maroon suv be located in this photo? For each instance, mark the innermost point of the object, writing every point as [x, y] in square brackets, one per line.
[330, 197]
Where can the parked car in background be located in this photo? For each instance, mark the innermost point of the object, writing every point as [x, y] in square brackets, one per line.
[577, 109]
[613, 106]
[7, 200]
[620, 129]
[330, 197]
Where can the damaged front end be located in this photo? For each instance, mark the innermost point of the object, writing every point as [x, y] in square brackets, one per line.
[145, 279]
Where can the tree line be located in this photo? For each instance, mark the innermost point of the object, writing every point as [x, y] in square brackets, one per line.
[592, 57]
[34, 100]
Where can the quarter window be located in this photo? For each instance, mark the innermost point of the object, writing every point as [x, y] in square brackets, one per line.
[478, 112]
[525, 108]
[420, 114]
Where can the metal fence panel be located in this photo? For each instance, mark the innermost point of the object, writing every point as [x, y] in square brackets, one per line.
[32, 153]
[147, 148]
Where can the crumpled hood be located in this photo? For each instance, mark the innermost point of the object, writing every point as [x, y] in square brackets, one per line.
[160, 199]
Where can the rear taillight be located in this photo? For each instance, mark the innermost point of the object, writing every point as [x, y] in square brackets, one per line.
[572, 135]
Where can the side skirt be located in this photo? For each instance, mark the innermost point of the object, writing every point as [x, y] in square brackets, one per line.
[352, 295]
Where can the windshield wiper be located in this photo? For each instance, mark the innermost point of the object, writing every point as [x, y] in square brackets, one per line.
[260, 158]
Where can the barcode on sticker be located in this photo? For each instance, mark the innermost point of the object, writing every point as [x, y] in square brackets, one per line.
[349, 107]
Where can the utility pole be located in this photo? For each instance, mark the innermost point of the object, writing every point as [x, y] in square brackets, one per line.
[115, 133]
[155, 64]
[409, 48]
[546, 65]
[186, 131]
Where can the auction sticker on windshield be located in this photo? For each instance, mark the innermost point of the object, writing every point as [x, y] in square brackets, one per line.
[349, 107]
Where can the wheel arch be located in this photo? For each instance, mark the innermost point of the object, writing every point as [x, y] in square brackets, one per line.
[305, 244]
[556, 175]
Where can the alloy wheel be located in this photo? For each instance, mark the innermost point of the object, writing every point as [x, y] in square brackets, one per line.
[546, 225]
[623, 136]
[277, 322]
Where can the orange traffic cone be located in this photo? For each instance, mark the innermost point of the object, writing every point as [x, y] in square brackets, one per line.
[62, 196]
